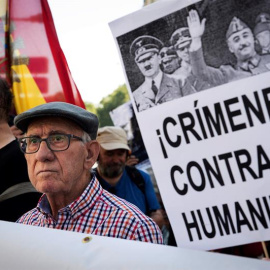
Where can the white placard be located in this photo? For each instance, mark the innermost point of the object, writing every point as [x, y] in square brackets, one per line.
[210, 150]
[30, 247]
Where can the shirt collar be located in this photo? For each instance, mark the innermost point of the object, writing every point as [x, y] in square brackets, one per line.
[251, 63]
[83, 203]
[157, 79]
[266, 50]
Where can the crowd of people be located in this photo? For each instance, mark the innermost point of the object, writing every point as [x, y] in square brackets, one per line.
[48, 157]
[179, 69]
[56, 185]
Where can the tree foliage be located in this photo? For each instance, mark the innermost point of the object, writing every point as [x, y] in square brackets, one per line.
[90, 107]
[109, 103]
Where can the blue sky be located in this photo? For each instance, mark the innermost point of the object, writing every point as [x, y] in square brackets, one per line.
[87, 42]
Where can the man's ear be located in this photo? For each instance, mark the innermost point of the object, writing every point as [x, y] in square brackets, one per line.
[229, 46]
[92, 148]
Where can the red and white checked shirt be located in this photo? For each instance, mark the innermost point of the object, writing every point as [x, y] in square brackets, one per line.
[97, 212]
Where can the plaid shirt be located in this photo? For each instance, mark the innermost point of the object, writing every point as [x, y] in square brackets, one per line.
[97, 212]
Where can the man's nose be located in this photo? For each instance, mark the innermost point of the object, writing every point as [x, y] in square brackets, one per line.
[115, 158]
[44, 153]
[243, 40]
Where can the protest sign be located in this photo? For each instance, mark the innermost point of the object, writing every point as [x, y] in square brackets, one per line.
[124, 117]
[30, 247]
[206, 129]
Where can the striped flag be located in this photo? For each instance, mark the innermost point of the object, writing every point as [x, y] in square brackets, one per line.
[31, 58]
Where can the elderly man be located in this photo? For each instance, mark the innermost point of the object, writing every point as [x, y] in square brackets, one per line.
[240, 41]
[157, 87]
[60, 149]
[126, 182]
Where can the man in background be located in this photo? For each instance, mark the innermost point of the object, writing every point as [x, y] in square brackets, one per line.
[169, 60]
[262, 32]
[60, 149]
[181, 40]
[126, 182]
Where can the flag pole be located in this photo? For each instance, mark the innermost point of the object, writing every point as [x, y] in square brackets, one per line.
[265, 250]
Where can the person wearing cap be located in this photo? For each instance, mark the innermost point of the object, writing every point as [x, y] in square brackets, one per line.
[180, 40]
[17, 195]
[113, 173]
[262, 32]
[60, 148]
[241, 44]
[169, 60]
[157, 87]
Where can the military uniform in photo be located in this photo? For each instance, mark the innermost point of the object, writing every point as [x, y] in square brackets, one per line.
[261, 28]
[181, 40]
[226, 73]
[157, 88]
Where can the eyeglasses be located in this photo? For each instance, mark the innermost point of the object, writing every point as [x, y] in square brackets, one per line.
[55, 142]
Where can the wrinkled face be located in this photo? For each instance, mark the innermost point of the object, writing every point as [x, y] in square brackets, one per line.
[170, 65]
[241, 44]
[112, 162]
[59, 173]
[264, 39]
[149, 64]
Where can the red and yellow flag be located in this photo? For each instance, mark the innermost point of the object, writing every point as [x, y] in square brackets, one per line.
[31, 58]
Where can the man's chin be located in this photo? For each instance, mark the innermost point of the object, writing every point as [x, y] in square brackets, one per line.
[114, 172]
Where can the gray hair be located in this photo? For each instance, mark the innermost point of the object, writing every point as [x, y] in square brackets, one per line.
[86, 137]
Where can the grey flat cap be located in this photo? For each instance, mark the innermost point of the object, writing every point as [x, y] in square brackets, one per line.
[85, 119]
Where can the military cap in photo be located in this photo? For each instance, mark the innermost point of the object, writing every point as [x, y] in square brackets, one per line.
[145, 44]
[262, 23]
[167, 53]
[83, 118]
[261, 27]
[263, 18]
[180, 38]
[236, 25]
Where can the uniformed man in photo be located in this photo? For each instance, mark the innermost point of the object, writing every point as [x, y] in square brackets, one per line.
[169, 60]
[181, 40]
[262, 32]
[157, 87]
[241, 44]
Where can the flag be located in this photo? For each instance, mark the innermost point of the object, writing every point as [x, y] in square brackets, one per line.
[31, 58]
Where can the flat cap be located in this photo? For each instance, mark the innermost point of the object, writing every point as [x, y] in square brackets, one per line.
[144, 44]
[236, 25]
[180, 38]
[85, 119]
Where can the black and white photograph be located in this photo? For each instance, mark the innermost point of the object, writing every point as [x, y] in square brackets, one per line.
[197, 74]
[202, 46]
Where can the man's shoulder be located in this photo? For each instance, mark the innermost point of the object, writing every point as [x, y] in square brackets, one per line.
[265, 60]
[134, 169]
[138, 91]
[120, 205]
[30, 218]
[166, 78]
[136, 175]
[265, 56]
